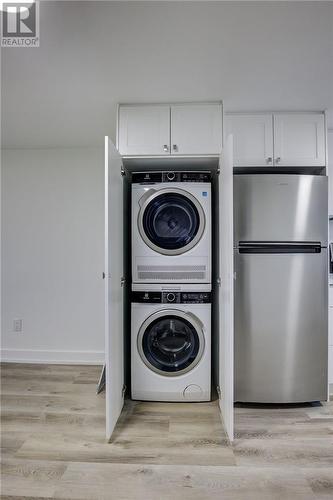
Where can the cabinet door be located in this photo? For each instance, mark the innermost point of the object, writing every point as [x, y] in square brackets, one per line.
[226, 289]
[299, 139]
[144, 130]
[113, 275]
[196, 129]
[253, 139]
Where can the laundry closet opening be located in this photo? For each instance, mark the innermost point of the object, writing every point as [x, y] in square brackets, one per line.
[169, 262]
[171, 315]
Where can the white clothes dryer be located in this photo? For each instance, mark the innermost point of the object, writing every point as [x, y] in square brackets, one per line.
[171, 227]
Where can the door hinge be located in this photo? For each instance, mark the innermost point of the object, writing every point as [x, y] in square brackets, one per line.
[122, 171]
[101, 381]
[122, 281]
[235, 275]
[218, 389]
[104, 275]
[219, 281]
[123, 391]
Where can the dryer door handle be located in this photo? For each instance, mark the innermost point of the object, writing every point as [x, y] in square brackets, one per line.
[147, 195]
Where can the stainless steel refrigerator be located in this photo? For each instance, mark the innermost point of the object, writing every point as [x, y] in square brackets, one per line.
[281, 288]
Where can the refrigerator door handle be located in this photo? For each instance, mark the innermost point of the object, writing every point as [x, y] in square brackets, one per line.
[262, 247]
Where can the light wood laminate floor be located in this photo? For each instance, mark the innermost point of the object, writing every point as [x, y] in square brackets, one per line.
[53, 445]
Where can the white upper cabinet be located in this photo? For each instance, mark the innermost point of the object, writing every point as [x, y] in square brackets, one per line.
[144, 130]
[278, 139]
[170, 129]
[299, 139]
[196, 129]
[253, 139]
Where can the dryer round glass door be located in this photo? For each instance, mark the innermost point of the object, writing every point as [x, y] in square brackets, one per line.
[171, 221]
[171, 342]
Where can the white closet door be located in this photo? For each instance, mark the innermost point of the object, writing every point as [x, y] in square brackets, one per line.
[114, 336]
[330, 172]
[226, 289]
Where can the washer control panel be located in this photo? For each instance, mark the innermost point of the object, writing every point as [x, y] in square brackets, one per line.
[172, 297]
[170, 176]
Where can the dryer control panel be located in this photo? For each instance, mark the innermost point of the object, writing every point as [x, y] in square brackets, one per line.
[171, 297]
[170, 176]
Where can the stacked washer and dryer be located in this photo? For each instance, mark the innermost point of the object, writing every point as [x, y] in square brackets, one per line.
[171, 286]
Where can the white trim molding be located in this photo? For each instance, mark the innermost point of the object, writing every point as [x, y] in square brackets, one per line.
[52, 356]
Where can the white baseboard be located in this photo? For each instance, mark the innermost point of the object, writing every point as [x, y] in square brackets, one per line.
[56, 357]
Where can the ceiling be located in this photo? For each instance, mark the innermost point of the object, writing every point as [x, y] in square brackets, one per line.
[92, 55]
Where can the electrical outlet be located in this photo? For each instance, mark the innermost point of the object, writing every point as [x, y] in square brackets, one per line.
[17, 325]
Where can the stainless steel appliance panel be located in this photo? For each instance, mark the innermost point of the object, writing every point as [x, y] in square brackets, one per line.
[280, 208]
[281, 326]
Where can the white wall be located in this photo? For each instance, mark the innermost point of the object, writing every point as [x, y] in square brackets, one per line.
[253, 55]
[52, 254]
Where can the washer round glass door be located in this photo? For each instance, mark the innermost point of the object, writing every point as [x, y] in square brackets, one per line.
[171, 221]
[171, 342]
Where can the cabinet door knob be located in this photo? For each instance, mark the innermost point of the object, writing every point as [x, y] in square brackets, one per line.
[269, 159]
[165, 148]
[278, 159]
[175, 147]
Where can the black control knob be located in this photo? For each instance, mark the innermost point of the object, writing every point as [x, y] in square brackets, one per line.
[171, 297]
[171, 176]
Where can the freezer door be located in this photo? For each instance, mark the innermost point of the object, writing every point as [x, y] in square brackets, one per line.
[280, 208]
[281, 326]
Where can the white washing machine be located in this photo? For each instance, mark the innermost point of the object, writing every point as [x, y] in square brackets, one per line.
[171, 343]
[171, 227]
